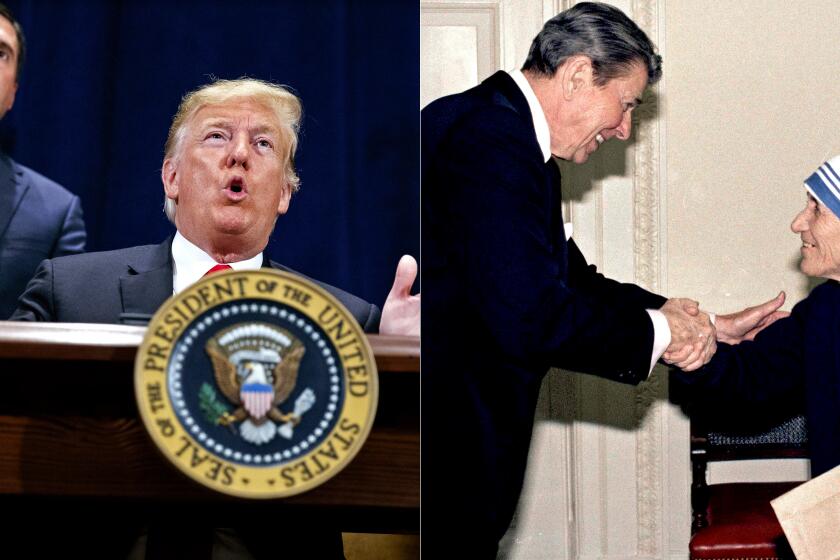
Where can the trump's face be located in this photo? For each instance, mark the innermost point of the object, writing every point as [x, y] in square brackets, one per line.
[227, 176]
[819, 230]
[9, 52]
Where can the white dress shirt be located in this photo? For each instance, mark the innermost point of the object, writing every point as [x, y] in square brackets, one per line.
[190, 264]
[661, 330]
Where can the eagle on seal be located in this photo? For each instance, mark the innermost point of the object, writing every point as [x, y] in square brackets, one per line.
[258, 381]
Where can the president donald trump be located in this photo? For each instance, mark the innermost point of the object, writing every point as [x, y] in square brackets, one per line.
[228, 173]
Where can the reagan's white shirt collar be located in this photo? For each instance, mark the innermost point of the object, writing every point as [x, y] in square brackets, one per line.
[537, 114]
[189, 263]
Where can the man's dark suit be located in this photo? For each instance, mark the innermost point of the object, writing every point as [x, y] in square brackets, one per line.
[506, 296]
[100, 287]
[792, 366]
[39, 220]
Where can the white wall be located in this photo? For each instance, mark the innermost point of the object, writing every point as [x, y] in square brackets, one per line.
[751, 109]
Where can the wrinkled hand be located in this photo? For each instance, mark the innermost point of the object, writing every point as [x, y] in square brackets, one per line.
[401, 312]
[745, 324]
[692, 334]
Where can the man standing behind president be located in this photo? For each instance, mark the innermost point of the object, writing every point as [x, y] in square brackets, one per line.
[39, 219]
[507, 294]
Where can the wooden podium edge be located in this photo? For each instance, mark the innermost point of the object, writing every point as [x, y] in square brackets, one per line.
[119, 343]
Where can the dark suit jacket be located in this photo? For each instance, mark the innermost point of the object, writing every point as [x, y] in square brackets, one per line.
[505, 298]
[99, 287]
[39, 220]
[793, 365]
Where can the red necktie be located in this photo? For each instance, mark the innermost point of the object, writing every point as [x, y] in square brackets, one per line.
[217, 268]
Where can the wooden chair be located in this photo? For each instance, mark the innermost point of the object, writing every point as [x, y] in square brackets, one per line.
[735, 520]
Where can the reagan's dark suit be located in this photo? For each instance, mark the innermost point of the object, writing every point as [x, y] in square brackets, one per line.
[792, 364]
[100, 287]
[505, 298]
[39, 220]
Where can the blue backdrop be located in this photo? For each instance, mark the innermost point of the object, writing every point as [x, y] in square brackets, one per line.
[103, 79]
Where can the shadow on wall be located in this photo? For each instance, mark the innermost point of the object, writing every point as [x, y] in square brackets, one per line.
[611, 158]
[568, 396]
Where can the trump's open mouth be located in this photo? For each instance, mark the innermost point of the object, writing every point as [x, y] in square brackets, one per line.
[236, 188]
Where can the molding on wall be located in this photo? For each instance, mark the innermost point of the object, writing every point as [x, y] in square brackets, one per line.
[646, 177]
[484, 18]
[647, 186]
[649, 480]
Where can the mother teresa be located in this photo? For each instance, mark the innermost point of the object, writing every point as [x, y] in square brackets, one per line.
[796, 360]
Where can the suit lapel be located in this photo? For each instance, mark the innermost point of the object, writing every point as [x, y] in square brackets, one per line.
[509, 94]
[558, 231]
[506, 92]
[149, 280]
[12, 192]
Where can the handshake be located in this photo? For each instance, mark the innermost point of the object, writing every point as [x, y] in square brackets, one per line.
[694, 337]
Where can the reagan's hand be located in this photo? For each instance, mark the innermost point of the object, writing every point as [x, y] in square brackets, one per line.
[692, 334]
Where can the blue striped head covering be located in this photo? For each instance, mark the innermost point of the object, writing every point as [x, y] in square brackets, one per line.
[824, 185]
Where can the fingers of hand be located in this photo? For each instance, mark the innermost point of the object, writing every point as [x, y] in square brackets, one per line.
[700, 357]
[685, 353]
[693, 366]
[693, 361]
[709, 351]
[405, 276]
[766, 322]
[691, 307]
[758, 313]
[688, 330]
[705, 356]
[678, 354]
[777, 301]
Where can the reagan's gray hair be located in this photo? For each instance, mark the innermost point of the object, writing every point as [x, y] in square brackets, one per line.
[599, 31]
[286, 106]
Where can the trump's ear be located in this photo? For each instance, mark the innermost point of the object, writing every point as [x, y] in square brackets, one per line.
[169, 176]
[285, 197]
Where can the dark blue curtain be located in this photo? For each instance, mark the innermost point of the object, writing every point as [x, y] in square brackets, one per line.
[103, 79]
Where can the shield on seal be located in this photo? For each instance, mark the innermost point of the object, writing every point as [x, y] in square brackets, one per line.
[257, 398]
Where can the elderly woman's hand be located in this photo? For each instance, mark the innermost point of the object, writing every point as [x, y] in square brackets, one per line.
[745, 324]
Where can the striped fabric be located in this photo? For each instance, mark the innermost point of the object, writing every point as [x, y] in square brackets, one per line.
[257, 398]
[824, 185]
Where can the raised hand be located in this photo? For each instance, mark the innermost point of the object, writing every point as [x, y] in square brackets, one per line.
[401, 312]
[745, 324]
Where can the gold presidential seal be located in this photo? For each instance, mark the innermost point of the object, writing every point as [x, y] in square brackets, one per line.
[258, 384]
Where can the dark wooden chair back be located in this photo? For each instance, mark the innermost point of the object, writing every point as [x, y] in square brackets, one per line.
[735, 520]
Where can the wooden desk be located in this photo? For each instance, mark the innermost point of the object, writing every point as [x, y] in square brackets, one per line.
[69, 430]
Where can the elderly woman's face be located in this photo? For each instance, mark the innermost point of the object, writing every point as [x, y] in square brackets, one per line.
[819, 229]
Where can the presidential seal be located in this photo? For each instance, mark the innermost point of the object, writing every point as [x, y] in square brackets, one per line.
[258, 384]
